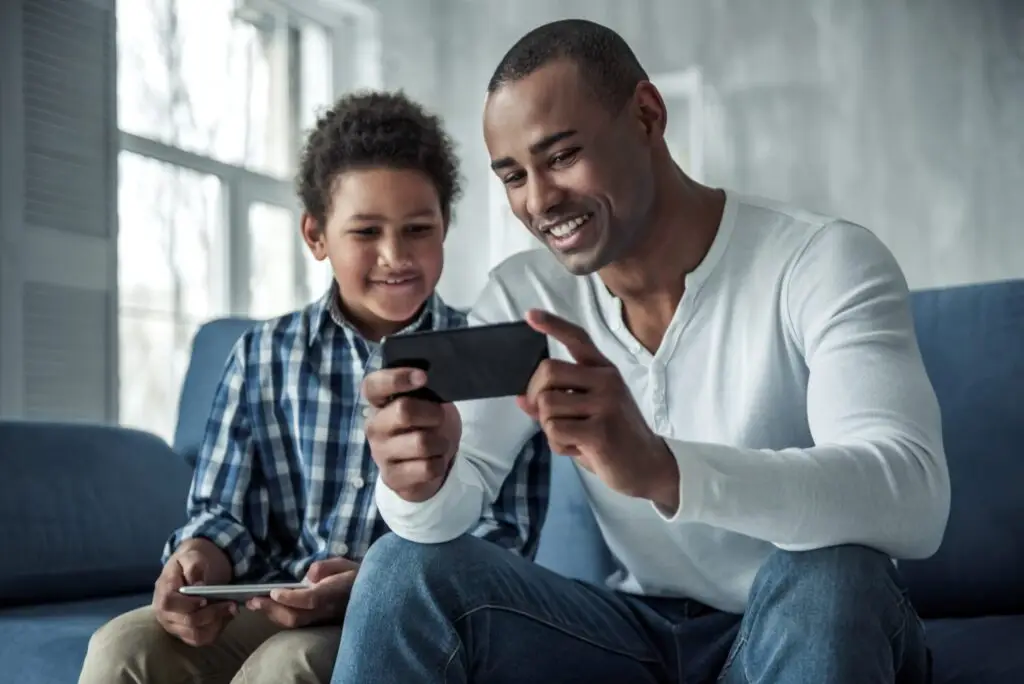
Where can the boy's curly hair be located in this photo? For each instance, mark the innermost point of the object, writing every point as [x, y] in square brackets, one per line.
[376, 129]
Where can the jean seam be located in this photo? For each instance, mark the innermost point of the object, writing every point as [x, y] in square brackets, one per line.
[451, 657]
[734, 653]
[559, 628]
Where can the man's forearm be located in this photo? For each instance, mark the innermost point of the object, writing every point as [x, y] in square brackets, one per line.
[889, 494]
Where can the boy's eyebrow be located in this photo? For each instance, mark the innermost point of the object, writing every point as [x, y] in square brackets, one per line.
[536, 148]
[418, 213]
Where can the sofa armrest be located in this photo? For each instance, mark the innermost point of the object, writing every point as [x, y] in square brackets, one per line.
[84, 510]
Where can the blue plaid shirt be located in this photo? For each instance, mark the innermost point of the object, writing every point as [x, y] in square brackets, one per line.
[284, 475]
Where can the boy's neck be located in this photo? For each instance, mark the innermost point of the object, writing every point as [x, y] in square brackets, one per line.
[370, 327]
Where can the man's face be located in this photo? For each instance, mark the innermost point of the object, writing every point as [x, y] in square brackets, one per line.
[384, 238]
[577, 175]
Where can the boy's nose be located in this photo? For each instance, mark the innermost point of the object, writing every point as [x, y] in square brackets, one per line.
[393, 252]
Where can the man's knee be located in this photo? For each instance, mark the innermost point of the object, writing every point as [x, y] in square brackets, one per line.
[303, 656]
[119, 649]
[399, 570]
[834, 580]
[393, 556]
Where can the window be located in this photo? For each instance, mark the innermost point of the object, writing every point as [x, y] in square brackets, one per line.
[213, 100]
[171, 225]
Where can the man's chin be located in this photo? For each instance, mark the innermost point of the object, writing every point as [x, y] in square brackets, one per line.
[581, 263]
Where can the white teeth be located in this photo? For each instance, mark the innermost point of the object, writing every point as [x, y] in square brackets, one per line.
[567, 228]
[396, 281]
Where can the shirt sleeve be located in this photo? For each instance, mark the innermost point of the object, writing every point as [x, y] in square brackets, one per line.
[498, 478]
[877, 473]
[225, 500]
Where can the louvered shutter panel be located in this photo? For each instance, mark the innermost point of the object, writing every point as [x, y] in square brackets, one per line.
[58, 340]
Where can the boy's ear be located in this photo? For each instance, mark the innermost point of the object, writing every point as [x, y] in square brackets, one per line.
[313, 234]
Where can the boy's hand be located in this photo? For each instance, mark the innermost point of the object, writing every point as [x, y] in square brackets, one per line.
[413, 441]
[193, 619]
[324, 601]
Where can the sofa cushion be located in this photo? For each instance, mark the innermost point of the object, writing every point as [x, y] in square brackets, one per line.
[977, 650]
[972, 340]
[84, 510]
[210, 349]
[46, 644]
[570, 540]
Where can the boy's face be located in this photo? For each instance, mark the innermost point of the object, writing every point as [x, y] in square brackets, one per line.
[384, 237]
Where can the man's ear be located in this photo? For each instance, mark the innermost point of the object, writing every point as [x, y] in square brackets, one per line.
[651, 113]
[313, 235]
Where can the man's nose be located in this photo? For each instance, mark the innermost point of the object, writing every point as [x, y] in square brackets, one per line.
[542, 195]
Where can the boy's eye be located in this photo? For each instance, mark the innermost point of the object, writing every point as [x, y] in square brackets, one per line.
[420, 228]
[368, 231]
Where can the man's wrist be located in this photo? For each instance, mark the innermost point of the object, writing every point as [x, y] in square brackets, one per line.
[664, 490]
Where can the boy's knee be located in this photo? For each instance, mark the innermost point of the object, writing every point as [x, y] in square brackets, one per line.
[304, 656]
[119, 650]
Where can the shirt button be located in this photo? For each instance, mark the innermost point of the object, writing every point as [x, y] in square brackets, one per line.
[358, 482]
[341, 549]
[367, 410]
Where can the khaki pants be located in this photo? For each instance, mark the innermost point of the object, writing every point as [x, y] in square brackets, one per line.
[134, 649]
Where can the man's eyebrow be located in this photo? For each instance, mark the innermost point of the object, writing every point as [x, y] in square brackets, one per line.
[536, 148]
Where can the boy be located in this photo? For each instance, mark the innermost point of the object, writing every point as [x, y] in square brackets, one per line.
[284, 484]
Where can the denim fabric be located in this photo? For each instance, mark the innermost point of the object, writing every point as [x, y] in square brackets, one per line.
[469, 611]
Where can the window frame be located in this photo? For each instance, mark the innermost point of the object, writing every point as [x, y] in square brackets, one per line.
[352, 29]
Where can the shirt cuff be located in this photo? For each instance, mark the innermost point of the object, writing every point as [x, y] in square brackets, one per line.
[691, 484]
[228, 535]
[450, 513]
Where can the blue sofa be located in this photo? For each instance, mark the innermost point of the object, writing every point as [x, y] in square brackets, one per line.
[84, 510]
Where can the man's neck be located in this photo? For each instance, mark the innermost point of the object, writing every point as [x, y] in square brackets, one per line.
[651, 280]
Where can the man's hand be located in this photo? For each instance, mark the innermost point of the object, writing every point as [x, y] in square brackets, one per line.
[413, 441]
[192, 619]
[325, 600]
[588, 413]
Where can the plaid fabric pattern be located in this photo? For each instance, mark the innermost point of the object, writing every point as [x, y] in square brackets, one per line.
[284, 475]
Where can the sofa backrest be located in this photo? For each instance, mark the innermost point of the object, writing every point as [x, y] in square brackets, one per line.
[972, 342]
[210, 349]
[70, 504]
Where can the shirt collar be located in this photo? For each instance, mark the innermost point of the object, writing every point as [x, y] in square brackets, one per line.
[327, 311]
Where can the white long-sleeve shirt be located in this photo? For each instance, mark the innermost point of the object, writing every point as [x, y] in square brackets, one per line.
[789, 387]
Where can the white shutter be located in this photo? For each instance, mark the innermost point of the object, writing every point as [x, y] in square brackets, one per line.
[58, 210]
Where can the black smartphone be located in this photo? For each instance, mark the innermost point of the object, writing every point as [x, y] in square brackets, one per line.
[462, 364]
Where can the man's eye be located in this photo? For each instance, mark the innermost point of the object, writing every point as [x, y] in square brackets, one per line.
[564, 157]
[513, 177]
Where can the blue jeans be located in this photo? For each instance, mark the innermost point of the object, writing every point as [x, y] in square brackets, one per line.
[469, 611]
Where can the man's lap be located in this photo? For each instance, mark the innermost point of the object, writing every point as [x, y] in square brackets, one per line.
[574, 623]
[513, 614]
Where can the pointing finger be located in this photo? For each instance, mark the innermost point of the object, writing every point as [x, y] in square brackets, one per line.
[575, 338]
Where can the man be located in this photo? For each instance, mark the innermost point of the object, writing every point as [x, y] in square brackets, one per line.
[739, 384]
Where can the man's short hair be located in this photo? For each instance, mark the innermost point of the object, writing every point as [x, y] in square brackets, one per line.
[605, 61]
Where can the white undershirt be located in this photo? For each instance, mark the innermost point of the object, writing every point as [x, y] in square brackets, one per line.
[788, 385]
